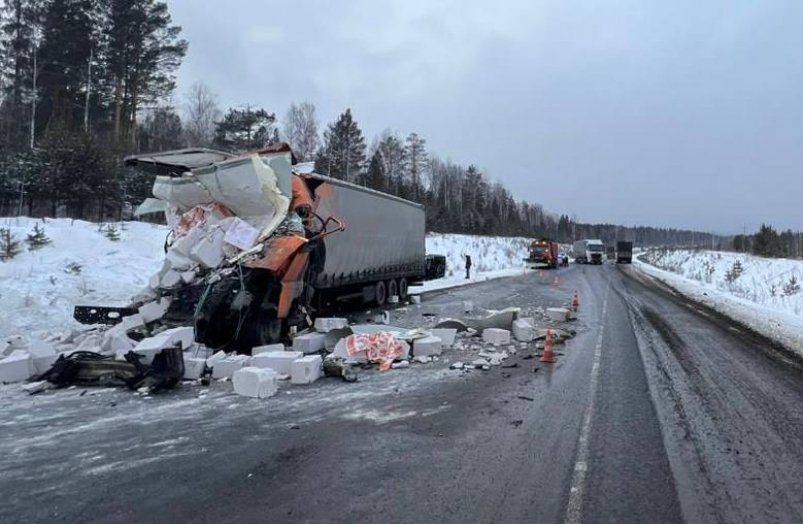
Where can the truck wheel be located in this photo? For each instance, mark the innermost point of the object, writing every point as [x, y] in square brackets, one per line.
[402, 288]
[393, 288]
[380, 293]
[260, 329]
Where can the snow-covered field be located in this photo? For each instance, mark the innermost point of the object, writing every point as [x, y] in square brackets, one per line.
[763, 293]
[38, 289]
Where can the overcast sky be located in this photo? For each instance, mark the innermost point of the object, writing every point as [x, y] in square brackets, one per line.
[674, 113]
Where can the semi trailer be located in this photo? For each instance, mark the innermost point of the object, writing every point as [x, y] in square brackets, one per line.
[259, 245]
[624, 252]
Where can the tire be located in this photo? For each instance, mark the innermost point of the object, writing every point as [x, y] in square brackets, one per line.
[380, 293]
[393, 288]
[402, 288]
[260, 329]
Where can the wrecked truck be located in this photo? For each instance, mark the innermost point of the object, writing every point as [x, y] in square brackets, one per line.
[259, 244]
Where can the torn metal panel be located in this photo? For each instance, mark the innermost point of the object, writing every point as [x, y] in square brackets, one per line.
[177, 161]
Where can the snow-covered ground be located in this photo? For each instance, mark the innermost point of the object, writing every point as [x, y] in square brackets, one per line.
[38, 289]
[491, 257]
[763, 293]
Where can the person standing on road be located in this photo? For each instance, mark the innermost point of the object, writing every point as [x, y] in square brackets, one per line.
[468, 267]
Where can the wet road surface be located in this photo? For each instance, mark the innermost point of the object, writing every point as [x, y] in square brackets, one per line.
[657, 411]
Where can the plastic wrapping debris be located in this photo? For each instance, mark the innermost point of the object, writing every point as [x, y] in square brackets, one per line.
[382, 348]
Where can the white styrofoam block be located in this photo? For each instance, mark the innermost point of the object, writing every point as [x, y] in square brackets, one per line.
[309, 342]
[241, 234]
[523, 330]
[255, 382]
[225, 368]
[558, 314]
[446, 335]
[125, 325]
[208, 251]
[405, 353]
[14, 342]
[178, 260]
[115, 341]
[341, 351]
[182, 335]
[496, 336]
[393, 299]
[279, 361]
[170, 279]
[193, 367]
[427, 346]
[325, 325]
[415, 299]
[90, 343]
[40, 348]
[154, 310]
[216, 357]
[16, 367]
[42, 364]
[264, 349]
[306, 370]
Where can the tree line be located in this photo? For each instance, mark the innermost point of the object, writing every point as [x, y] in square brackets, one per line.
[86, 82]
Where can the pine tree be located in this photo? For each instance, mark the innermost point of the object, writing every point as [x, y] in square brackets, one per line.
[343, 153]
[393, 154]
[415, 164]
[245, 129]
[111, 232]
[9, 245]
[162, 130]
[144, 51]
[376, 178]
[37, 238]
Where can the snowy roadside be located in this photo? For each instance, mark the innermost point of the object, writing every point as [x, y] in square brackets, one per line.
[82, 266]
[782, 326]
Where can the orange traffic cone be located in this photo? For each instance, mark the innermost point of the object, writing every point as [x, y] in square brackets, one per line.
[575, 302]
[556, 282]
[548, 355]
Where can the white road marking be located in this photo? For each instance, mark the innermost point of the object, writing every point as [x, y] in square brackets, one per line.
[574, 509]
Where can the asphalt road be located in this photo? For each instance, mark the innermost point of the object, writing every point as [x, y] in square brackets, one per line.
[657, 411]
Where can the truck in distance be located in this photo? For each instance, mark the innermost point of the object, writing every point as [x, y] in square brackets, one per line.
[624, 252]
[544, 253]
[588, 251]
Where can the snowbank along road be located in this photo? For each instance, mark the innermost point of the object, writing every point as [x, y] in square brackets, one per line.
[659, 410]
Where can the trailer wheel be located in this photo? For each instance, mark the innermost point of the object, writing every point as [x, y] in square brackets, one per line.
[393, 288]
[402, 288]
[380, 293]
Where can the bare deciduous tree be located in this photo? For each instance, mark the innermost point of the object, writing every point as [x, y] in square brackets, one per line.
[301, 131]
[201, 113]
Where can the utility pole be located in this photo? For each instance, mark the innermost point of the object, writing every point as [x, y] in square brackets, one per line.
[88, 90]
